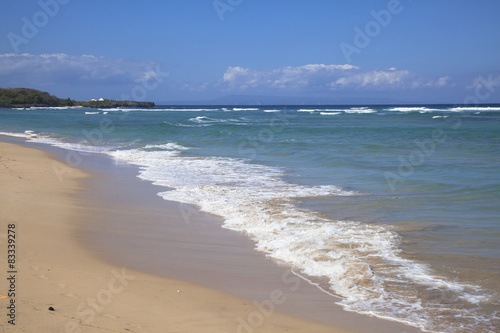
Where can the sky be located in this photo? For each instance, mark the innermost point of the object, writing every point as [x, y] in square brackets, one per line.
[255, 51]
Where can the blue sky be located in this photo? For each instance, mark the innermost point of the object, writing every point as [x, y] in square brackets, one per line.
[259, 51]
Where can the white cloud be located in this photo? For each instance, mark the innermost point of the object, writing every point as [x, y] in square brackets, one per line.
[378, 79]
[303, 77]
[325, 77]
[443, 81]
[45, 69]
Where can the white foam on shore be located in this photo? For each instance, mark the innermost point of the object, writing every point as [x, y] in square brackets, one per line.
[47, 138]
[26, 134]
[82, 147]
[361, 262]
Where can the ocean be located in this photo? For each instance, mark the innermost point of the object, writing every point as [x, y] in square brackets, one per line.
[395, 209]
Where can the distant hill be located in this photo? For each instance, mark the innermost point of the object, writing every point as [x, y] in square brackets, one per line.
[22, 97]
[25, 98]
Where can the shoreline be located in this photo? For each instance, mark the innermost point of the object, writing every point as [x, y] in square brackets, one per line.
[114, 236]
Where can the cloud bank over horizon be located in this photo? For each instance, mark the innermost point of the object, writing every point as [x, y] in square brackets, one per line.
[115, 76]
[327, 77]
[63, 69]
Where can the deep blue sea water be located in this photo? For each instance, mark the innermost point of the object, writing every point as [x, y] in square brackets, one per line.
[396, 209]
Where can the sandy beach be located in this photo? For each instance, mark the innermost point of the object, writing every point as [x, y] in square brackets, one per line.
[62, 286]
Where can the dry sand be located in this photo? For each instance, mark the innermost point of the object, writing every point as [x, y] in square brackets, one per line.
[88, 294]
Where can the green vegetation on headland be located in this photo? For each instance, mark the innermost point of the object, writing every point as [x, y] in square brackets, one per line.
[25, 98]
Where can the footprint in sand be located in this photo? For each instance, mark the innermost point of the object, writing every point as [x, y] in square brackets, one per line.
[71, 295]
[42, 276]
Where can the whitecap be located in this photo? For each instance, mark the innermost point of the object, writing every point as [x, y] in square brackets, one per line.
[475, 108]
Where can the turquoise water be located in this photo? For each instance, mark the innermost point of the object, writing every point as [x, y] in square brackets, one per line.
[393, 208]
